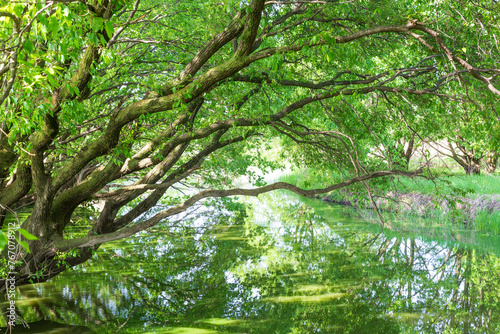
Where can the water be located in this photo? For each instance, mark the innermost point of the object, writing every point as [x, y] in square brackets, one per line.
[279, 264]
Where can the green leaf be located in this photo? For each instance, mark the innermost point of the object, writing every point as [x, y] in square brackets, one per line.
[43, 20]
[25, 245]
[43, 30]
[54, 26]
[28, 46]
[3, 241]
[26, 234]
[102, 40]
[109, 28]
[52, 80]
[93, 39]
[18, 10]
[66, 11]
[329, 58]
[97, 24]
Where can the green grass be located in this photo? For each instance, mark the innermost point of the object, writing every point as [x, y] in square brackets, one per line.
[488, 222]
[465, 185]
[461, 185]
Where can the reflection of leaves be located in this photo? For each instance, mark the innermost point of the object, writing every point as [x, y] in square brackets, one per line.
[353, 279]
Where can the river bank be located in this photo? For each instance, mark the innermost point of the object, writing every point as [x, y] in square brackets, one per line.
[483, 211]
[471, 201]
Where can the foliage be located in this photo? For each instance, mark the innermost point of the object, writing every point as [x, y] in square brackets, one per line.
[114, 104]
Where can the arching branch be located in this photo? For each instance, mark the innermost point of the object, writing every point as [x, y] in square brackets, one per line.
[159, 217]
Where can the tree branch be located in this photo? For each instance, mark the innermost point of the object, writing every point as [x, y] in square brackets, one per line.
[66, 245]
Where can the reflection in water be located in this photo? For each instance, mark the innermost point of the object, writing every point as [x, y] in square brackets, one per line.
[289, 266]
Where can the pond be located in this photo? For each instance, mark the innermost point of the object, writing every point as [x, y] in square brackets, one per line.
[277, 264]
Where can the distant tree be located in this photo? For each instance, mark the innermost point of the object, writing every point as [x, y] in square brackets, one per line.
[469, 134]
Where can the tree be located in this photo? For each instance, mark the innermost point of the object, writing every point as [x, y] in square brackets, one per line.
[469, 127]
[117, 102]
[469, 136]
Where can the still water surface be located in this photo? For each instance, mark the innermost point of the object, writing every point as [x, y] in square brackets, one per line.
[280, 264]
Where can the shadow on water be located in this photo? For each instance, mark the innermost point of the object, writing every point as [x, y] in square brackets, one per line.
[280, 264]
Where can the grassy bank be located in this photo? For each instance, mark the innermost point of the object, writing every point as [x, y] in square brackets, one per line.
[465, 201]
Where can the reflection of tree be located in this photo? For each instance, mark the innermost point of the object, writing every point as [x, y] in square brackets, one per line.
[318, 286]
[297, 271]
[443, 288]
[159, 279]
[428, 287]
